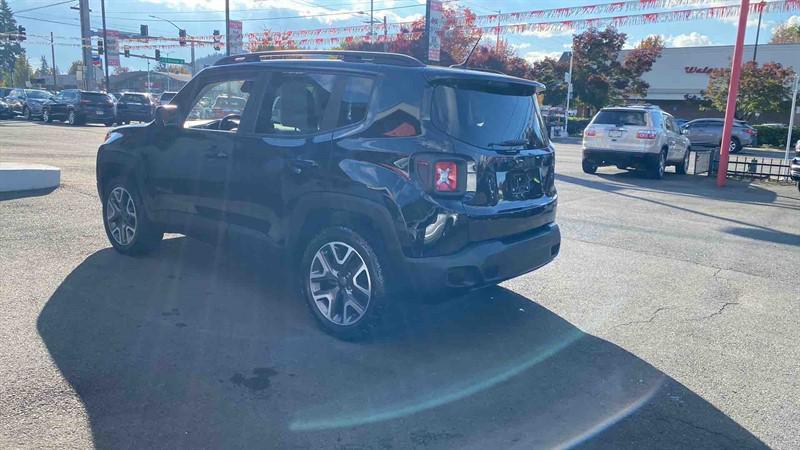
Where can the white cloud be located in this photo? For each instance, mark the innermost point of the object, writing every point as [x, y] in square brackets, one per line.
[548, 34]
[792, 21]
[521, 46]
[693, 39]
[535, 56]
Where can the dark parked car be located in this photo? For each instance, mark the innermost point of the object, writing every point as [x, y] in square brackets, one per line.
[374, 174]
[135, 106]
[4, 92]
[27, 102]
[79, 107]
[708, 133]
[5, 108]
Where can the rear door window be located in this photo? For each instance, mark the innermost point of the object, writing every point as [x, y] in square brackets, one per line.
[620, 118]
[489, 114]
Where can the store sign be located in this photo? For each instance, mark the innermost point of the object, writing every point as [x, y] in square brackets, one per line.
[112, 47]
[235, 38]
[703, 70]
[435, 25]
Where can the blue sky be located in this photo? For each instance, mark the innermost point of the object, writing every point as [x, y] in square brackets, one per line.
[200, 17]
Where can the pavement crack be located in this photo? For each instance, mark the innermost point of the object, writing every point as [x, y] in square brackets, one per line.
[652, 317]
[719, 311]
[702, 428]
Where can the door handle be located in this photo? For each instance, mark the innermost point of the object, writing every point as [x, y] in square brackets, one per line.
[298, 165]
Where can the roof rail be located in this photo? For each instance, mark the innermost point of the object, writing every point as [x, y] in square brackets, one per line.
[344, 55]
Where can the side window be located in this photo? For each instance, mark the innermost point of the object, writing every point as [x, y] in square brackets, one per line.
[295, 104]
[218, 100]
[355, 100]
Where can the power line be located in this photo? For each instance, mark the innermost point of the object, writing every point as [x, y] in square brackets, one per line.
[44, 6]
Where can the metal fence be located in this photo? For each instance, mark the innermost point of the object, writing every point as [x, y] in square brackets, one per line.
[753, 168]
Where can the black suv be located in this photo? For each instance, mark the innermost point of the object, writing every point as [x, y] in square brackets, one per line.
[78, 107]
[376, 176]
[137, 106]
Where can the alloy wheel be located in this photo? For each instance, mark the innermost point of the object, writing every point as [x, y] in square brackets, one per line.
[26, 113]
[339, 283]
[121, 216]
[732, 146]
[45, 116]
[662, 164]
[71, 118]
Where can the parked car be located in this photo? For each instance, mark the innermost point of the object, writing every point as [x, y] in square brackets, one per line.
[708, 133]
[376, 176]
[639, 137]
[5, 110]
[27, 102]
[166, 97]
[225, 105]
[794, 167]
[135, 106]
[681, 122]
[4, 92]
[78, 107]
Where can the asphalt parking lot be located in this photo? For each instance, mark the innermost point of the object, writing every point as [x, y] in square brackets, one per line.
[669, 320]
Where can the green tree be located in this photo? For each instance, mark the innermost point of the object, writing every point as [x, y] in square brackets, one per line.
[44, 68]
[761, 89]
[599, 76]
[73, 68]
[10, 50]
[550, 72]
[22, 71]
[786, 33]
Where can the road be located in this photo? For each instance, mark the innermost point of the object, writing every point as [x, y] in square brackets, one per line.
[669, 320]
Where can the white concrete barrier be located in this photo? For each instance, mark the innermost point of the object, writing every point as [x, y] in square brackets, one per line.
[27, 177]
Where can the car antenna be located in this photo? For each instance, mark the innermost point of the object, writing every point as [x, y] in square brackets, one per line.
[469, 55]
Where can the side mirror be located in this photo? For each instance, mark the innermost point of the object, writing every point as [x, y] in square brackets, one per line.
[167, 116]
[685, 130]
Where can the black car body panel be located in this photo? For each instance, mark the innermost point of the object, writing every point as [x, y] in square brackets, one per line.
[88, 106]
[366, 165]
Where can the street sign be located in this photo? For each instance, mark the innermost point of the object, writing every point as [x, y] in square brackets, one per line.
[112, 47]
[435, 25]
[171, 60]
[235, 37]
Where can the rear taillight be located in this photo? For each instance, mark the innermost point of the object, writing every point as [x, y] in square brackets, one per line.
[750, 131]
[646, 134]
[589, 132]
[446, 176]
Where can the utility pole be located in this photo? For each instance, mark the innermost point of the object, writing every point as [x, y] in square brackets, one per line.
[53, 56]
[86, 44]
[758, 29]
[569, 93]
[371, 20]
[105, 44]
[385, 36]
[497, 46]
[194, 69]
[227, 28]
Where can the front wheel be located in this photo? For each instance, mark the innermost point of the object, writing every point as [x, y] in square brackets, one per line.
[125, 222]
[682, 167]
[26, 113]
[72, 119]
[735, 145]
[343, 282]
[46, 116]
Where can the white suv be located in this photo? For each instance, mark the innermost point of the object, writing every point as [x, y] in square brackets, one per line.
[639, 137]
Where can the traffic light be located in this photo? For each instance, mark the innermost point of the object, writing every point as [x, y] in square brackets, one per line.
[144, 31]
[126, 51]
[21, 33]
[182, 37]
[158, 55]
[101, 48]
[217, 40]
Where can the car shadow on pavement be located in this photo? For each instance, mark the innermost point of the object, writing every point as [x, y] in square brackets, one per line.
[195, 347]
[26, 193]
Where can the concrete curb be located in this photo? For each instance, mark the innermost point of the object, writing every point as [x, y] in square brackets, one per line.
[28, 177]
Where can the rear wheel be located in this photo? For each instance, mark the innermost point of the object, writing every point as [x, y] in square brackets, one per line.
[26, 113]
[588, 166]
[125, 222]
[658, 166]
[109, 123]
[683, 166]
[46, 116]
[72, 119]
[343, 282]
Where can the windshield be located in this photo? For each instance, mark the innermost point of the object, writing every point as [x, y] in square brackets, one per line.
[489, 116]
[229, 102]
[166, 97]
[38, 94]
[138, 99]
[95, 97]
[620, 118]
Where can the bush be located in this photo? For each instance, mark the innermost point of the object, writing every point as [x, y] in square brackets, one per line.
[575, 125]
[775, 136]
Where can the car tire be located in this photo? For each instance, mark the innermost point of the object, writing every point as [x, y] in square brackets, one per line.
[658, 166]
[588, 166]
[46, 116]
[735, 146]
[109, 124]
[26, 113]
[72, 118]
[348, 305]
[682, 167]
[127, 226]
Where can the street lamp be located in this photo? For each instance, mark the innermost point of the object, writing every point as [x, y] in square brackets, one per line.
[181, 31]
